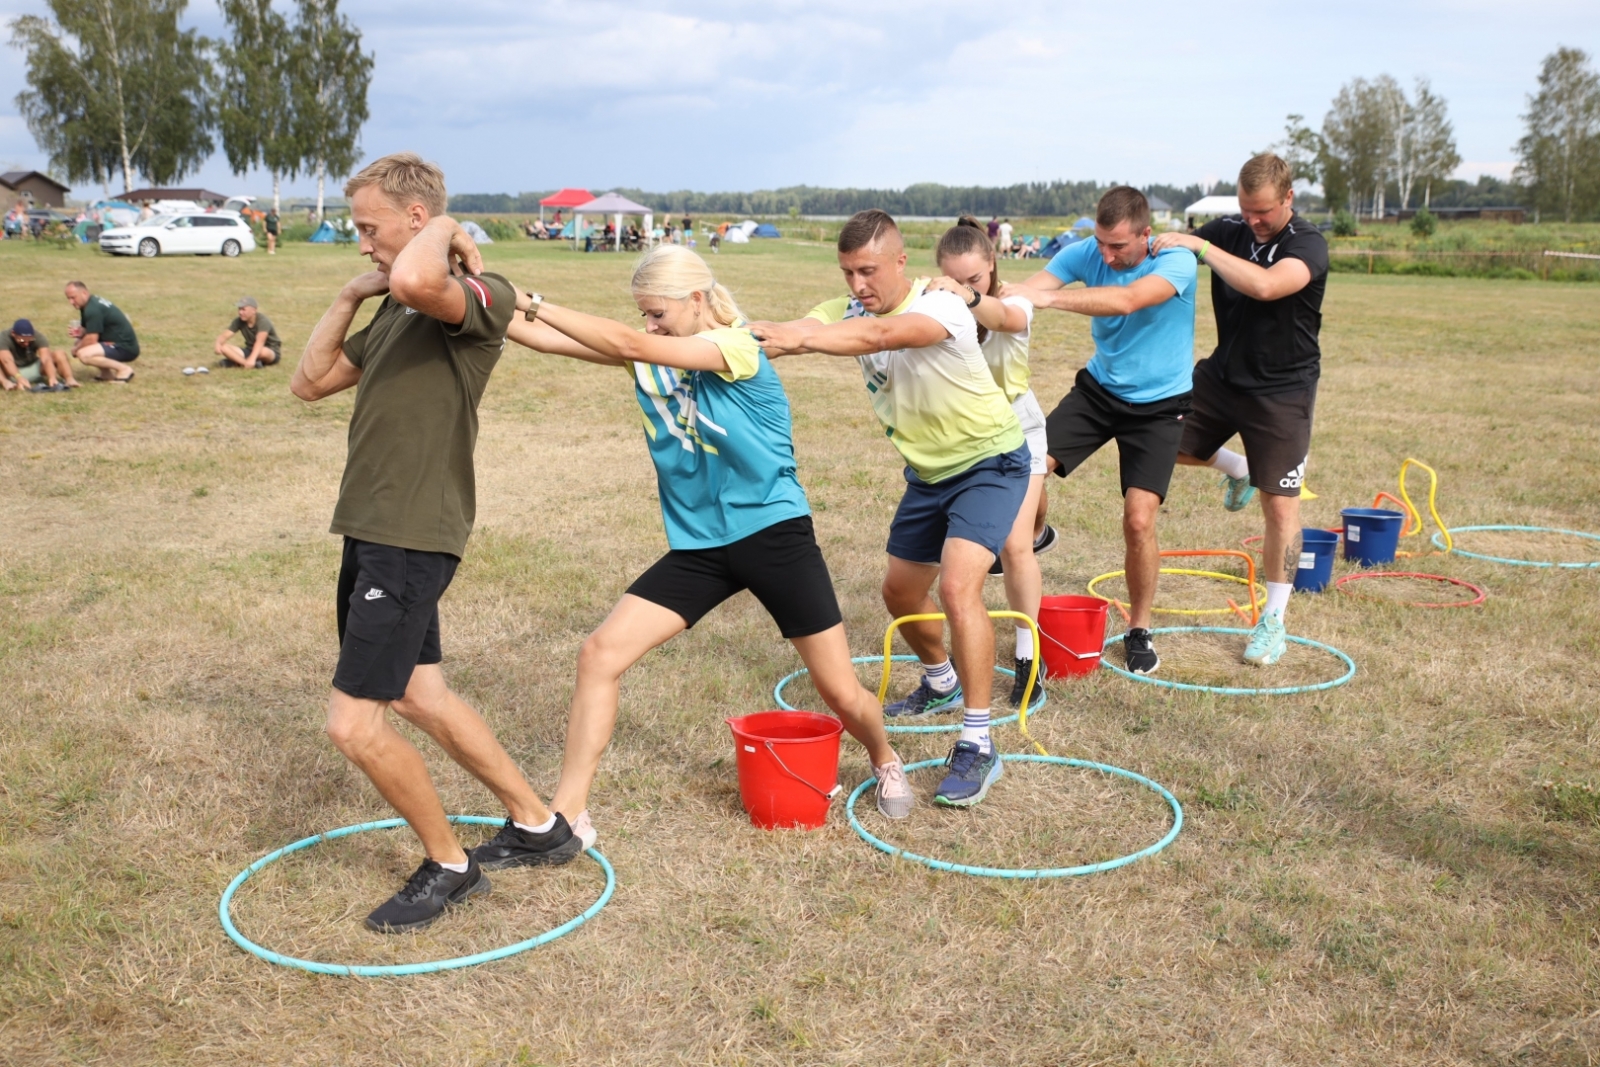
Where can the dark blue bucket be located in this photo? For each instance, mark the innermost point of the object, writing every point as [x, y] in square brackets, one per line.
[1316, 560]
[1371, 535]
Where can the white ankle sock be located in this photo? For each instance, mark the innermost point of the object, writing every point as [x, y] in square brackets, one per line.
[454, 868]
[543, 828]
[1024, 643]
[942, 676]
[975, 727]
[1230, 463]
[1278, 598]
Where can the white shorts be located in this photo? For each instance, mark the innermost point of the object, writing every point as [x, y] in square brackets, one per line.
[1031, 415]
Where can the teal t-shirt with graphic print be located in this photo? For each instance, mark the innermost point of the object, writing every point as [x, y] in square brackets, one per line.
[721, 443]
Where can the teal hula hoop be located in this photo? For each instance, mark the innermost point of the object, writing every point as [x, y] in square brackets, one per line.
[1236, 691]
[1025, 872]
[224, 908]
[1438, 541]
[1040, 699]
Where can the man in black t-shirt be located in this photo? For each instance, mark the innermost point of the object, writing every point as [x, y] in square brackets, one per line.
[406, 508]
[1269, 268]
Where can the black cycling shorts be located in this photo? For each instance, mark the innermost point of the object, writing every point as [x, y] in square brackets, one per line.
[388, 612]
[780, 565]
[1147, 435]
[1275, 429]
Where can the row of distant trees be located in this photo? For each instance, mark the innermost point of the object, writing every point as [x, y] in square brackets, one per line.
[1376, 141]
[119, 88]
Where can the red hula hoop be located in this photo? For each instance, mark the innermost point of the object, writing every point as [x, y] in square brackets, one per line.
[1481, 593]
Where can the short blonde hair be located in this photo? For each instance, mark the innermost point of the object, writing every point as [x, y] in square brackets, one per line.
[672, 272]
[405, 178]
[1266, 171]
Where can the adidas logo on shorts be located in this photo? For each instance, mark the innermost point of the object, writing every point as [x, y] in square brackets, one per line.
[1293, 479]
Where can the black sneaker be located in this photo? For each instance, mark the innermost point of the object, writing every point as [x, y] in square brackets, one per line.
[1140, 652]
[516, 847]
[1023, 666]
[431, 890]
[996, 567]
[1046, 540]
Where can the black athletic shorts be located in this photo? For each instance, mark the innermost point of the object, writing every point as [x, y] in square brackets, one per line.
[1147, 435]
[1276, 430]
[118, 353]
[388, 616]
[781, 565]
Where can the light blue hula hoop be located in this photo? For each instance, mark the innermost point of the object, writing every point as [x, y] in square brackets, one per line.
[1025, 872]
[392, 970]
[1040, 699]
[1438, 541]
[1235, 691]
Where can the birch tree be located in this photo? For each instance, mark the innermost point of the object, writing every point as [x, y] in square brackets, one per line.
[1559, 157]
[330, 79]
[254, 93]
[1433, 141]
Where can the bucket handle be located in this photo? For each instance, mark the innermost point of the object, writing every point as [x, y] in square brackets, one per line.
[829, 795]
[1076, 655]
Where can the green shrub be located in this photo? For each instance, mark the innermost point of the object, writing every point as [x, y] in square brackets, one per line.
[500, 230]
[1344, 224]
[1423, 224]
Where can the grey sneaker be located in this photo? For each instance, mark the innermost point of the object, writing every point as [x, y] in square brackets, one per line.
[895, 799]
[924, 700]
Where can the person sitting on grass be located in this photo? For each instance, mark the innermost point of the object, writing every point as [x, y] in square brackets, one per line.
[104, 339]
[967, 472]
[261, 347]
[719, 434]
[406, 507]
[28, 362]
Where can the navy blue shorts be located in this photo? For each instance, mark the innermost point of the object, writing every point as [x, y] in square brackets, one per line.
[980, 504]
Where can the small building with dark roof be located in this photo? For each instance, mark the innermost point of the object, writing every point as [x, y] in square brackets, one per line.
[35, 188]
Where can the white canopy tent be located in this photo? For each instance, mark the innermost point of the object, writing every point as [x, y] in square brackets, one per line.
[616, 205]
[1213, 206]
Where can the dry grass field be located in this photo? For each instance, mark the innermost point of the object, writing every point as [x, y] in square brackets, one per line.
[1405, 870]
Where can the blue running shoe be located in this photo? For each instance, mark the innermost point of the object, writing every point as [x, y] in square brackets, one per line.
[972, 772]
[1267, 644]
[1237, 494]
[924, 700]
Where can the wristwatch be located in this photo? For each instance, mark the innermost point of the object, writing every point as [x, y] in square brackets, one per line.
[977, 297]
[534, 301]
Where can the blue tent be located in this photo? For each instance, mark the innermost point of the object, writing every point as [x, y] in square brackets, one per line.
[328, 234]
[766, 229]
[1058, 242]
[1084, 223]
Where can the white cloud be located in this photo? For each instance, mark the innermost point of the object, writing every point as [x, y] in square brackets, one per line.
[1495, 169]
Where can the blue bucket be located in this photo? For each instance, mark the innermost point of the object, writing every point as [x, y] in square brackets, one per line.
[1316, 560]
[1371, 535]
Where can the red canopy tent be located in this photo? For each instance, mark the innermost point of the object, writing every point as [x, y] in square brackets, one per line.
[568, 198]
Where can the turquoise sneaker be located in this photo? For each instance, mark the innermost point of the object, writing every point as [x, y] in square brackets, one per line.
[1267, 643]
[1237, 494]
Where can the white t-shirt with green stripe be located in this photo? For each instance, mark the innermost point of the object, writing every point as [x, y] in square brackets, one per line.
[940, 405]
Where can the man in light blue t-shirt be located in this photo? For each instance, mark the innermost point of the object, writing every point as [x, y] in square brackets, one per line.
[1136, 387]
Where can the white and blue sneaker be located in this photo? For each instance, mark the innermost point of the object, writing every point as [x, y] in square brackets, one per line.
[972, 772]
[1267, 642]
[924, 700]
[1237, 493]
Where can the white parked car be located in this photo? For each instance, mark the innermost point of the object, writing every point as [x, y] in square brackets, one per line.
[193, 233]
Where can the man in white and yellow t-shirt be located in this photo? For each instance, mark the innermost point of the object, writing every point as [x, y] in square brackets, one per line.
[967, 468]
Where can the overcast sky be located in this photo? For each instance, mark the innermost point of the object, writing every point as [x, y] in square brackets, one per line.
[513, 95]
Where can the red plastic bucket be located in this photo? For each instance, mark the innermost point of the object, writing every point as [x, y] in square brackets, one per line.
[1072, 630]
[788, 766]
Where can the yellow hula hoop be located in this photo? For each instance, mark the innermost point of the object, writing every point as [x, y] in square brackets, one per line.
[1254, 589]
[939, 616]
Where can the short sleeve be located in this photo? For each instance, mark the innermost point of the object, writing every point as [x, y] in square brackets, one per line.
[1214, 231]
[93, 317]
[1067, 264]
[40, 341]
[1308, 246]
[1027, 310]
[355, 346]
[740, 348]
[238, 324]
[947, 309]
[491, 300]
[830, 311]
[1178, 266]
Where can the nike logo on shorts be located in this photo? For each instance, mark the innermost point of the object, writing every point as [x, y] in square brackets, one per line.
[375, 593]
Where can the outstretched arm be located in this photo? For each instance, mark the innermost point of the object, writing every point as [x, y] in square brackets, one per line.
[616, 343]
[323, 368]
[852, 337]
[1284, 278]
[1104, 300]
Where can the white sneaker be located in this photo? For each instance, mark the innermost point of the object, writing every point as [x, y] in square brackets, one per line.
[895, 799]
[584, 829]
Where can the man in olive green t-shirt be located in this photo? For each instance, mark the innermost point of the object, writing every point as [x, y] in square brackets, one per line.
[104, 339]
[406, 507]
[261, 346]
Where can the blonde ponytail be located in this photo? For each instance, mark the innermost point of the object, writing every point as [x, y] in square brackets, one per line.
[672, 272]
